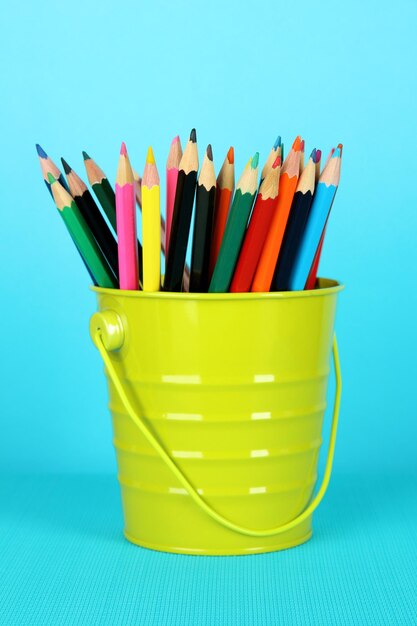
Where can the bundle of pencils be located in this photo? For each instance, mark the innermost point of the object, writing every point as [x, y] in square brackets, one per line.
[252, 238]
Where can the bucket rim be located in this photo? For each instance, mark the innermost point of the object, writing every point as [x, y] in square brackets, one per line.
[327, 286]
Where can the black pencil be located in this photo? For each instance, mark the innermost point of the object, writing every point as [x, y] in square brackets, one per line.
[203, 225]
[181, 219]
[297, 220]
[92, 215]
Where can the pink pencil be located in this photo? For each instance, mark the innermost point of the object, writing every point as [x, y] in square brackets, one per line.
[172, 167]
[126, 223]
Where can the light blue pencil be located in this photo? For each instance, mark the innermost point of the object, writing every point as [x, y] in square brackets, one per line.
[319, 212]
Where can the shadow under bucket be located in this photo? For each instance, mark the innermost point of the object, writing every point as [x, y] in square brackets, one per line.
[218, 403]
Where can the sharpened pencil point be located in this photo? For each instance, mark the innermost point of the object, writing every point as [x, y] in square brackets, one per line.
[277, 162]
[277, 143]
[255, 161]
[302, 145]
[123, 150]
[51, 178]
[175, 140]
[67, 168]
[41, 152]
[336, 153]
[313, 155]
[150, 157]
[340, 146]
[193, 136]
[231, 155]
[85, 156]
[318, 156]
[296, 146]
[209, 152]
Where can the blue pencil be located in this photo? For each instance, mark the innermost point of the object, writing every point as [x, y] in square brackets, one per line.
[319, 212]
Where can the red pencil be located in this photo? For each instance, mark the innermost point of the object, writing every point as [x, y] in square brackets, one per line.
[257, 230]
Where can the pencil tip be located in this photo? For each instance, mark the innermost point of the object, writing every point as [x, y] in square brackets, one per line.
[296, 146]
[231, 155]
[150, 157]
[193, 136]
[277, 162]
[277, 143]
[123, 150]
[337, 153]
[318, 156]
[66, 167]
[340, 146]
[313, 155]
[175, 140]
[209, 152]
[41, 152]
[85, 156]
[51, 178]
[302, 145]
[255, 161]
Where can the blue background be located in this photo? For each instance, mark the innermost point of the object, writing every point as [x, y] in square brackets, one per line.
[87, 75]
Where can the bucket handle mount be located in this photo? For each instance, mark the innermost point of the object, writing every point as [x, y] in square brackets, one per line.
[107, 334]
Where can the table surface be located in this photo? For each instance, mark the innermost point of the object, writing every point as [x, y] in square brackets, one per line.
[63, 560]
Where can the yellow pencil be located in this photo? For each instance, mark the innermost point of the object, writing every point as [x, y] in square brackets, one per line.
[151, 225]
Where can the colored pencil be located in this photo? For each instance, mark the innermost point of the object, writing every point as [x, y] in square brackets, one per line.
[126, 223]
[106, 196]
[287, 185]
[172, 169]
[151, 225]
[275, 151]
[312, 277]
[91, 213]
[224, 191]
[235, 228]
[203, 225]
[138, 191]
[82, 236]
[257, 230]
[102, 188]
[297, 220]
[49, 167]
[319, 212]
[181, 218]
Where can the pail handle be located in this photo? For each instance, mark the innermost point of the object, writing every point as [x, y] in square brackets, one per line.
[107, 333]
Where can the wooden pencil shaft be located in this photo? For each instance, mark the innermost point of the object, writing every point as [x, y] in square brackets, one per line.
[232, 241]
[99, 228]
[291, 242]
[180, 230]
[88, 247]
[203, 226]
[151, 234]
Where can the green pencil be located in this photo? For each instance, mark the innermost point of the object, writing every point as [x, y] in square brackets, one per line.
[82, 236]
[235, 228]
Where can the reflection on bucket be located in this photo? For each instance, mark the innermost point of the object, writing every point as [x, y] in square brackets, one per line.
[218, 403]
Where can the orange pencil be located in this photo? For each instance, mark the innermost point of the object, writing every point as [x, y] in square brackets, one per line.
[224, 192]
[287, 186]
